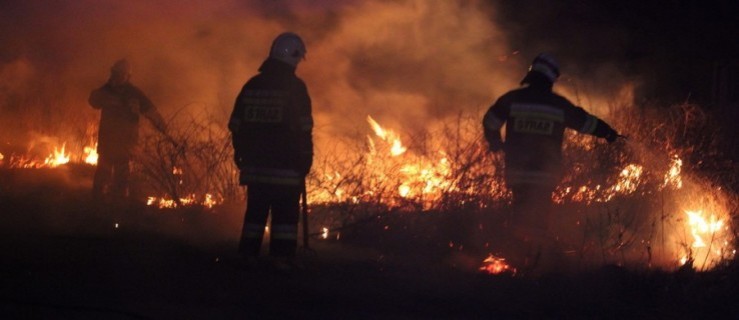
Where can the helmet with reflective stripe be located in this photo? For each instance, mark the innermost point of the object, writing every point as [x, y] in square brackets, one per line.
[546, 65]
[288, 47]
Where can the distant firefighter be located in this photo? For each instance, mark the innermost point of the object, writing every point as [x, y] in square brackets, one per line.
[536, 119]
[272, 126]
[121, 104]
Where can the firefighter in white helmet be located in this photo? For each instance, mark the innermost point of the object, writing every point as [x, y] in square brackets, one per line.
[271, 126]
[121, 104]
[536, 119]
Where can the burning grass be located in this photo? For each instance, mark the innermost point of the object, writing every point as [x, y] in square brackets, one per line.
[637, 203]
[661, 199]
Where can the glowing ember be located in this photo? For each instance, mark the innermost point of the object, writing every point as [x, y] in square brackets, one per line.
[496, 265]
[672, 177]
[324, 233]
[208, 201]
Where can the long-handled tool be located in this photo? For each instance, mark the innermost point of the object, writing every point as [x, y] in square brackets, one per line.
[304, 214]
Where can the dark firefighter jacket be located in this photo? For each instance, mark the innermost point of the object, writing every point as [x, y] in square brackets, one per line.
[535, 119]
[121, 107]
[271, 126]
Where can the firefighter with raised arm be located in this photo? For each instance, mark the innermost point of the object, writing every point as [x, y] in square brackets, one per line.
[271, 126]
[121, 105]
[535, 119]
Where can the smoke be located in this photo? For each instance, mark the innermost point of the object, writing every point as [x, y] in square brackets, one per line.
[406, 63]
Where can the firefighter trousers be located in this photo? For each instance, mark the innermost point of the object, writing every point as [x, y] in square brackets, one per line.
[282, 203]
[111, 177]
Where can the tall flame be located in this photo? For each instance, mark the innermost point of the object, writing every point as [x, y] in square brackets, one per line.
[389, 136]
[58, 157]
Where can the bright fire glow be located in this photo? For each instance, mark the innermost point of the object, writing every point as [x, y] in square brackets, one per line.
[91, 154]
[388, 136]
[496, 265]
[422, 178]
[398, 174]
[324, 233]
[710, 239]
[208, 201]
[701, 227]
[628, 181]
[672, 177]
[58, 157]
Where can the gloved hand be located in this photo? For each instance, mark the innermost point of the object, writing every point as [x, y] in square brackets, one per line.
[612, 136]
[495, 145]
[305, 162]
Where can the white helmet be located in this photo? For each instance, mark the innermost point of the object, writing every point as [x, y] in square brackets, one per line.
[288, 48]
[546, 65]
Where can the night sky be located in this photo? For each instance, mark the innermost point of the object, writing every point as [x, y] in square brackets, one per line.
[672, 44]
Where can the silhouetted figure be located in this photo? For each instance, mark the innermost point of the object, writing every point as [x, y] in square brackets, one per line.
[271, 126]
[121, 104]
[536, 119]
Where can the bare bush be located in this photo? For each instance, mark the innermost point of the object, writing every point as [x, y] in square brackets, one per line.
[194, 158]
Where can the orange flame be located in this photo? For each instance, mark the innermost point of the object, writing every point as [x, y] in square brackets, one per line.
[91, 154]
[388, 136]
[496, 265]
[58, 157]
[208, 201]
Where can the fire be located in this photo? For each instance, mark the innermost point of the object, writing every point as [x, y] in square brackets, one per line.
[324, 233]
[711, 239]
[496, 265]
[628, 182]
[397, 147]
[59, 156]
[208, 201]
[701, 227]
[429, 175]
[672, 177]
[423, 178]
[91, 154]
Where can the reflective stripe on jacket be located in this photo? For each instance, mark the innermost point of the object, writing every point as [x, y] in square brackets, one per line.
[285, 177]
[535, 119]
[271, 126]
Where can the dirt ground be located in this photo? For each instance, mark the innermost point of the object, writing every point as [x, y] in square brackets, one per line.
[65, 258]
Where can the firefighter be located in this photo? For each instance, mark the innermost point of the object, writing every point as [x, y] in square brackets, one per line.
[271, 126]
[121, 105]
[535, 119]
